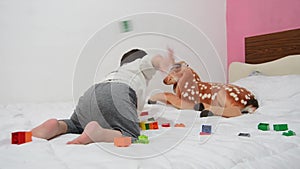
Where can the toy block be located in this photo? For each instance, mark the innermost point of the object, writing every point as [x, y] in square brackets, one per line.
[165, 125]
[126, 26]
[289, 133]
[151, 119]
[145, 113]
[280, 127]
[21, 137]
[148, 125]
[122, 141]
[263, 126]
[143, 139]
[244, 134]
[142, 125]
[179, 125]
[204, 133]
[206, 129]
[155, 125]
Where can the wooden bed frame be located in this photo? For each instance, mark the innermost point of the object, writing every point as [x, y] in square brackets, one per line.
[271, 54]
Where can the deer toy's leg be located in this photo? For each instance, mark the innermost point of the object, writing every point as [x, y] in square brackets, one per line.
[170, 98]
[158, 97]
[222, 107]
[225, 111]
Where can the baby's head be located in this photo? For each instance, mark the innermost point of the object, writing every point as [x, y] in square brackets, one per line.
[132, 55]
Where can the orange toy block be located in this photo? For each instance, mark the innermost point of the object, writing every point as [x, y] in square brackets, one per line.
[179, 125]
[21, 137]
[153, 125]
[122, 141]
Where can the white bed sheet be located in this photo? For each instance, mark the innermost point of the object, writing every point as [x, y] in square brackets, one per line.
[181, 148]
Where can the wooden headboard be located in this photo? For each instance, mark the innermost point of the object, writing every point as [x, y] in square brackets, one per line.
[271, 54]
[269, 47]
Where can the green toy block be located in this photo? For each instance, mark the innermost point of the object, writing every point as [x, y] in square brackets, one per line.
[126, 26]
[147, 125]
[280, 127]
[289, 133]
[263, 126]
[142, 139]
[151, 119]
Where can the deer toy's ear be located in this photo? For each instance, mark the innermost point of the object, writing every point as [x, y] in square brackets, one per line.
[183, 63]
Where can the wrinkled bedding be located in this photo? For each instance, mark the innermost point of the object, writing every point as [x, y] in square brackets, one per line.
[172, 147]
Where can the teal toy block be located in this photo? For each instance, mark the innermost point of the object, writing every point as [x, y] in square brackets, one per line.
[289, 133]
[280, 127]
[263, 126]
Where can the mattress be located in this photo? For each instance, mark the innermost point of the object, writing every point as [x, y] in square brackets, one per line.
[169, 147]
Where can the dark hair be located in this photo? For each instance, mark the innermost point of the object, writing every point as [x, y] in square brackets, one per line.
[132, 55]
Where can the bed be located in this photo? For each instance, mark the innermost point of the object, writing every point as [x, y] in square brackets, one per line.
[176, 147]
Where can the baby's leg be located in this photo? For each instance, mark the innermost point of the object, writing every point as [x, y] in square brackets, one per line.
[49, 129]
[93, 132]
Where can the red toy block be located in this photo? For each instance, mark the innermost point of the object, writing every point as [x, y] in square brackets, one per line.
[165, 125]
[144, 113]
[179, 125]
[204, 133]
[21, 137]
[122, 141]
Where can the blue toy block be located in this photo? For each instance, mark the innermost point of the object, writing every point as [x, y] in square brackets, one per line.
[206, 128]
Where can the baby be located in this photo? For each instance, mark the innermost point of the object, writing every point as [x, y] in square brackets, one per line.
[109, 109]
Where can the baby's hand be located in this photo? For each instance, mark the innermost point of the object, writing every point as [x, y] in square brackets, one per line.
[167, 61]
[163, 63]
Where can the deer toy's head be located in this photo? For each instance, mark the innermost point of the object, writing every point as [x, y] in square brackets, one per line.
[177, 71]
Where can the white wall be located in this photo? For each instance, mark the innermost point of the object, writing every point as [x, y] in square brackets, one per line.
[40, 40]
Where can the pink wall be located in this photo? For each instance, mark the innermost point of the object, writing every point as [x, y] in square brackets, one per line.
[254, 17]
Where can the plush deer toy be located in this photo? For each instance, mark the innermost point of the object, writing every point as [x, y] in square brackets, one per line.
[190, 91]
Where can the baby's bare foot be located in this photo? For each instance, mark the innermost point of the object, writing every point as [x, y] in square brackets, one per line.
[46, 130]
[82, 139]
[93, 132]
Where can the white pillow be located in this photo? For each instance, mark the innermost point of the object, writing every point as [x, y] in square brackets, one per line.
[271, 87]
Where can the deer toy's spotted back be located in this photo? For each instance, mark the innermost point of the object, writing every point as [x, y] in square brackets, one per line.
[189, 88]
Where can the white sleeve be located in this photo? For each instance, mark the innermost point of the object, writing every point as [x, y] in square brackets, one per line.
[147, 68]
